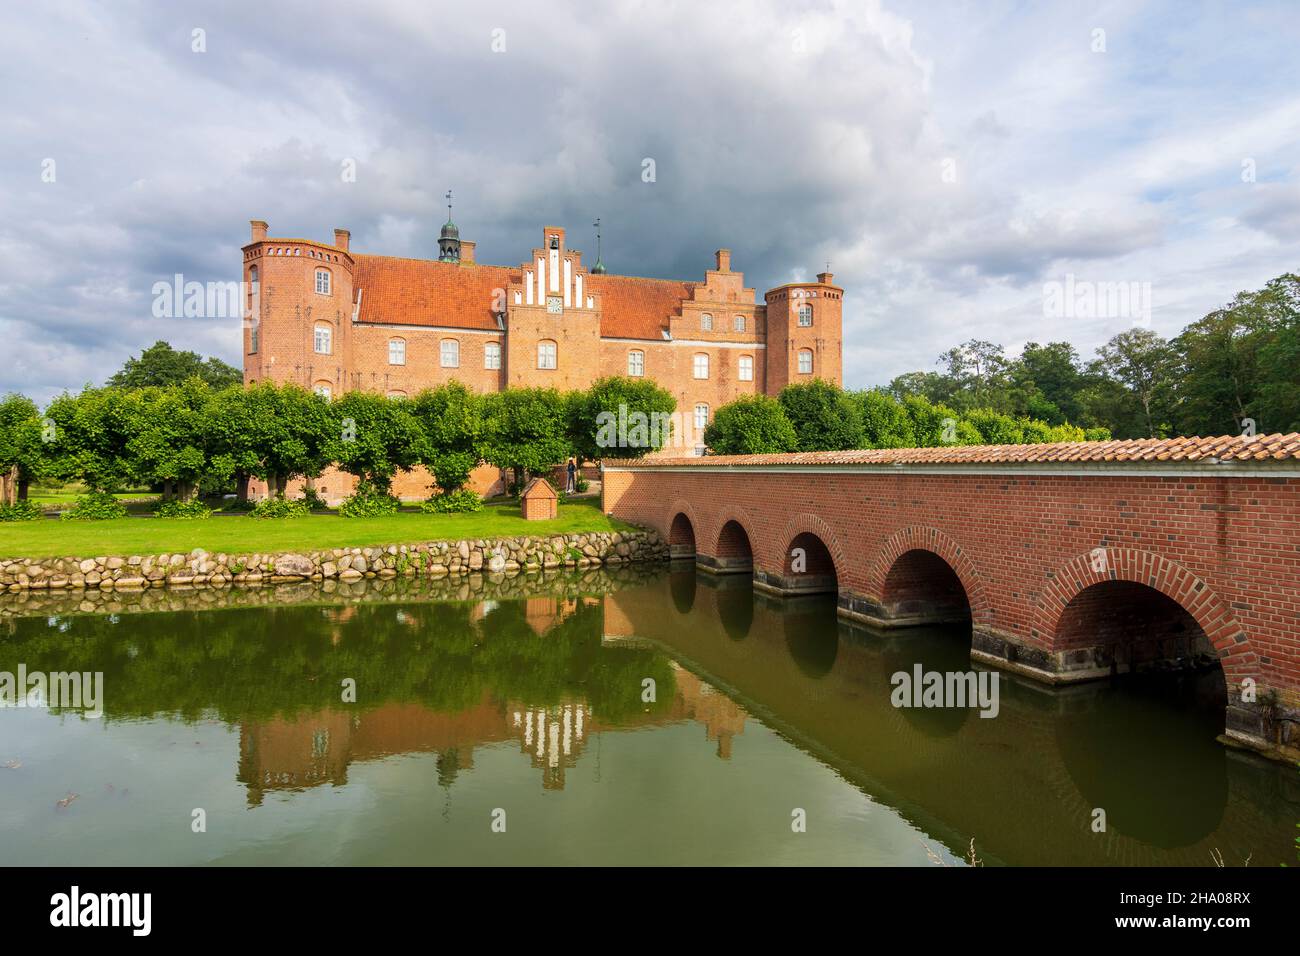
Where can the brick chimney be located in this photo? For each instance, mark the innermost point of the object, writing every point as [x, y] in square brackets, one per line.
[724, 260]
[341, 237]
[467, 251]
[259, 230]
[825, 277]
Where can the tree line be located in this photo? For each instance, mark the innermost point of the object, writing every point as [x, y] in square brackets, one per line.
[1236, 370]
[190, 438]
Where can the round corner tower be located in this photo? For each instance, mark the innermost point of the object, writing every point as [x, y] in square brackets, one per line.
[804, 333]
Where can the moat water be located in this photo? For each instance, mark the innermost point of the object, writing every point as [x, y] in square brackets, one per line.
[647, 716]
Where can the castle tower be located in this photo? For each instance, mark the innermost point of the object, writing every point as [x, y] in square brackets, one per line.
[298, 305]
[449, 238]
[804, 327]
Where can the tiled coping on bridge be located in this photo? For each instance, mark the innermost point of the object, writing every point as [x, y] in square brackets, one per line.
[433, 559]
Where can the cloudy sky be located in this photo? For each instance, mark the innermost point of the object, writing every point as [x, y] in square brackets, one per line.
[948, 159]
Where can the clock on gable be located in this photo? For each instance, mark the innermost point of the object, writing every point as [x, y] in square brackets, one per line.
[554, 304]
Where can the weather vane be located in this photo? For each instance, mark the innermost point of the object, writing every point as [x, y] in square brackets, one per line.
[449, 205]
[597, 225]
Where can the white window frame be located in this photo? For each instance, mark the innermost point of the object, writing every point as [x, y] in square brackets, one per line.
[745, 368]
[323, 288]
[738, 323]
[701, 418]
[449, 357]
[706, 321]
[322, 334]
[324, 391]
[805, 315]
[809, 355]
[400, 343]
[492, 356]
[636, 363]
[547, 355]
[700, 365]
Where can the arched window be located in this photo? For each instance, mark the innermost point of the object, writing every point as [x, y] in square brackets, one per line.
[492, 355]
[397, 351]
[701, 365]
[805, 362]
[636, 363]
[323, 340]
[701, 417]
[706, 322]
[805, 314]
[747, 368]
[449, 353]
[397, 393]
[546, 354]
[323, 390]
[738, 323]
[323, 281]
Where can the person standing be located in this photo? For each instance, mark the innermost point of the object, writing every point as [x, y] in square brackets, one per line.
[573, 471]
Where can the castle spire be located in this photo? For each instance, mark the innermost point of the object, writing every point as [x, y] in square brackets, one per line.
[449, 239]
[599, 268]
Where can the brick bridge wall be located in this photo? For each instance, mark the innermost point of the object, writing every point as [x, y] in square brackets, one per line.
[1021, 540]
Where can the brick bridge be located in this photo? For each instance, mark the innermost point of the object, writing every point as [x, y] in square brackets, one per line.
[1070, 561]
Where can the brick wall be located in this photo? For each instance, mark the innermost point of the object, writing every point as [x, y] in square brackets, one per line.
[1225, 549]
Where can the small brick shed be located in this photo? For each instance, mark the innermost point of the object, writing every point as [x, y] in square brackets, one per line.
[539, 501]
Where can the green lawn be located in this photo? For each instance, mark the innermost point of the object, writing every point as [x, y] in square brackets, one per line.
[240, 534]
[50, 497]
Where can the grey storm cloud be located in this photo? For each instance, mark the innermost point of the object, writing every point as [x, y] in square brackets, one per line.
[792, 134]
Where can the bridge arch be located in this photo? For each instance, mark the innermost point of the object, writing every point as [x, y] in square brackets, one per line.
[1183, 591]
[900, 552]
[733, 542]
[680, 529]
[822, 564]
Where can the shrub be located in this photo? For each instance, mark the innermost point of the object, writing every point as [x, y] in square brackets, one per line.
[279, 507]
[95, 506]
[20, 511]
[751, 426]
[369, 501]
[314, 501]
[193, 508]
[239, 504]
[453, 502]
[581, 484]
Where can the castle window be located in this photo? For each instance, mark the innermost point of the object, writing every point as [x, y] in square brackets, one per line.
[701, 417]
[492, 355]
[397, 393]
[323, 340]
[747, 368]
[706, 322]
[397, 351]
[555, 242]
[701, 365]
[739, 323]
[805, 314]
[805, 362]
[591, 301]
[323, 390]
[252, 337]
[636, 363]
[323, 281]
[546, 354]
[449, 353]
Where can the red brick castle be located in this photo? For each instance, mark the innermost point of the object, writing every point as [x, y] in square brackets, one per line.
[335, 320]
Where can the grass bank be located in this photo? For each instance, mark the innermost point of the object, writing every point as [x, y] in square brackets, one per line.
[242, 534]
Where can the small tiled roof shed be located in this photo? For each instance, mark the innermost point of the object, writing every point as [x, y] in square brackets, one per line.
[539, 501]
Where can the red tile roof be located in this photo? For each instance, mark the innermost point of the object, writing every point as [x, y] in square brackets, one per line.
[1224, 448]
[427, 292]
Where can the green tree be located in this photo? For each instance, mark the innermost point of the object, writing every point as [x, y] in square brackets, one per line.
[756, 425]
[452, 418]
[171, 439]
[885, 422]
[376, 438]
[22, 455]
[1143, 364]
[273, 432]
[824, 418]
[160, 364]
[1045, 381]
[91, 432]
[642, 407]
[527, 430]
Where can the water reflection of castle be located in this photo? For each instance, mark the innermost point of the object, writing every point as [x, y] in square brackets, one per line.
[310, 749]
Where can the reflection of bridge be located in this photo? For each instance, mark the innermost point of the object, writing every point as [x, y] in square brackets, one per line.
[1071, 561]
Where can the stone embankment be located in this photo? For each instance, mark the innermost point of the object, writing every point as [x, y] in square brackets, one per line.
[431, 559]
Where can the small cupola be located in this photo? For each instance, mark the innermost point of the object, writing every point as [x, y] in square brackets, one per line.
[449, 238]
